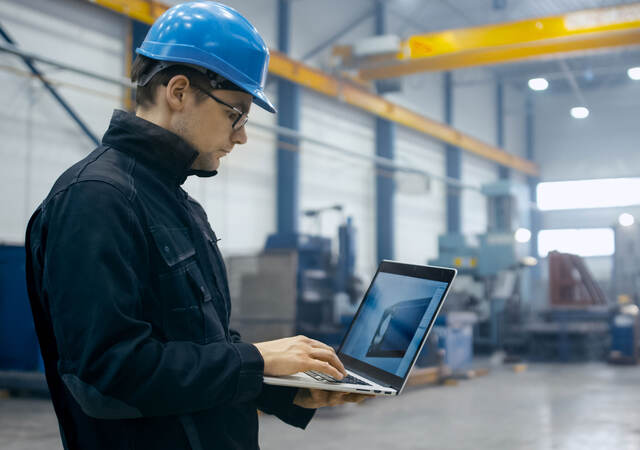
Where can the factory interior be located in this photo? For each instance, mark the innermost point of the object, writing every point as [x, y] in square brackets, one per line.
[493, 137]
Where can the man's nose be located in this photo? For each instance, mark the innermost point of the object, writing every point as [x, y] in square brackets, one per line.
[239, 136]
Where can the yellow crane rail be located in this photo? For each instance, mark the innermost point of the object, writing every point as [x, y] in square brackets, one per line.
[513, 41]
[349, 92]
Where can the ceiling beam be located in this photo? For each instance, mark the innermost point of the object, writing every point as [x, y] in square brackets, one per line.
[513, 41]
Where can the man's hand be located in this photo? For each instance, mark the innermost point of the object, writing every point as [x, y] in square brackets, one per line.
[299, 354]
[317, 398]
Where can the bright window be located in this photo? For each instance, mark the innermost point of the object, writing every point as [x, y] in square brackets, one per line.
[606, 192]
[583, 242]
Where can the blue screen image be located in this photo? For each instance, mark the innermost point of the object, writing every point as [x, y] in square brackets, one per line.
[392, 321]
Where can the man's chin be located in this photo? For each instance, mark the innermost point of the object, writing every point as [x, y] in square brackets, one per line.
[207, 166]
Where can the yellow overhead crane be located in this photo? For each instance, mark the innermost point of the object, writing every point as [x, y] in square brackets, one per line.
[510, 42]
[147, 11]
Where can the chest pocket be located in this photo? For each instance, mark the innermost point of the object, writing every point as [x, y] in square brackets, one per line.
[186, 301]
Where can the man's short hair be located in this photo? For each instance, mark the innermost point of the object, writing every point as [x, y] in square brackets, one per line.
[145, 95]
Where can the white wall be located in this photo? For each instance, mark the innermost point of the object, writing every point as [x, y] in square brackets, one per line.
[39, 140]
[420, 208]
[328, 178]
[422, 93]
[514, 122]
[474, 112]
[474, 107]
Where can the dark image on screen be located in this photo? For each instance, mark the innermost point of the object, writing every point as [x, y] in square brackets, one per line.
[397, 328]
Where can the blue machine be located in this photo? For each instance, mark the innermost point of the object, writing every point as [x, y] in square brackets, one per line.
[625, 329]
[19, 350]
[327, 288]
[625, 333]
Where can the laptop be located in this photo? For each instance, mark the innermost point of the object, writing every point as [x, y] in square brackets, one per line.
[387, 333]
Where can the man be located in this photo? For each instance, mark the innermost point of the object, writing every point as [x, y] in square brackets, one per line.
[127, 286]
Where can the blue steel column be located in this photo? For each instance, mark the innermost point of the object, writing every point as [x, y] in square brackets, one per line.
[385, 184]
[385, 188]
[288, 160]
[503, 171]
[532, 181]
[453, 162]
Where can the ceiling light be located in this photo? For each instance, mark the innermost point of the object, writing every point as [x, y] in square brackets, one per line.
[538, 84]
[523, 235]
[634, 73]
[626, 220]
[579, 112]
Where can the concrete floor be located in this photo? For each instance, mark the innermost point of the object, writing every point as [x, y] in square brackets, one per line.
[589, 406]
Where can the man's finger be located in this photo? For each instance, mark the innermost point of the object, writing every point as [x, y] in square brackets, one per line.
[324, 367]
[330, 357]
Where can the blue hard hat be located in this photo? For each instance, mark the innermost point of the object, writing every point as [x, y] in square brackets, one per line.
[215, 37]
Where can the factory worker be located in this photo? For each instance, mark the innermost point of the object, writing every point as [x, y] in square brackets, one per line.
[127, 284]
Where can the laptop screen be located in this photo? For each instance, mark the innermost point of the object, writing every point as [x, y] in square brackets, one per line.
[392, 321]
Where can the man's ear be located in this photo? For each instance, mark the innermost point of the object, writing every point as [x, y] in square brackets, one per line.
[175, 92]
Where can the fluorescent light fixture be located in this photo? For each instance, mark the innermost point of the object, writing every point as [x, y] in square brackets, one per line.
[582, 242]
[538, 84]
[579, 112]
[626, 219]
[634, 73]
[522, 235]
[582, 194]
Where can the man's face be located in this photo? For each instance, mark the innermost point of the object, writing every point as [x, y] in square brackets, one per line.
[207, 125]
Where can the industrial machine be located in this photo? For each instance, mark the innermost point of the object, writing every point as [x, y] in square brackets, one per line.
[491, 276]
[625, 333]
[298, 285]
[625, 324]
[575, 326]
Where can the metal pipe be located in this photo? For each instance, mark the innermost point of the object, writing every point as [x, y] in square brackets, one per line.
[386, 163]
[29, 56]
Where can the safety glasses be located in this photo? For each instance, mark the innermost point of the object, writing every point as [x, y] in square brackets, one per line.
[241, 118]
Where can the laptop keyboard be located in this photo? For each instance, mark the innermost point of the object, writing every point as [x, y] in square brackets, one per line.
[319, 376]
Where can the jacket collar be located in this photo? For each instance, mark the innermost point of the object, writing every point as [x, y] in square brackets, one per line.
[154, 146]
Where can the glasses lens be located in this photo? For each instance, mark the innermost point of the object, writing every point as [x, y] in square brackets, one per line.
[240, 122]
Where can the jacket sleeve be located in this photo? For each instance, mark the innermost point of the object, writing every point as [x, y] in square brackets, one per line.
[95, 264]
[278, 400]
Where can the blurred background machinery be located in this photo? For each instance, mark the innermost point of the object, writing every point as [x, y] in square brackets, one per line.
[625, 324]
[299, 284]
[575, 326]
[491, 272]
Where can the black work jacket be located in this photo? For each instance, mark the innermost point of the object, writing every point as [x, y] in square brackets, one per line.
[131, 304]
